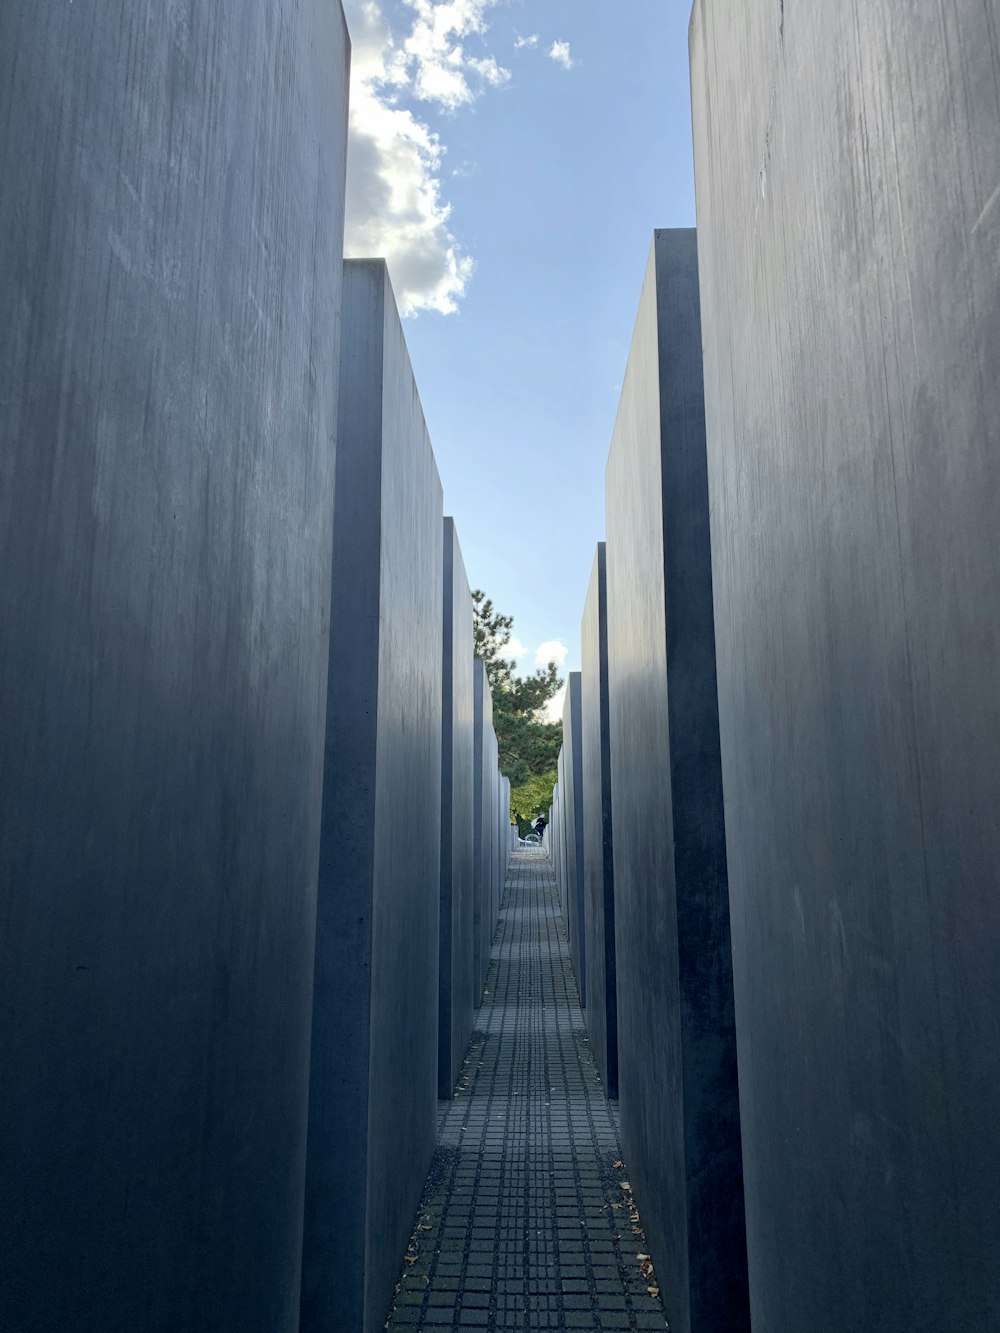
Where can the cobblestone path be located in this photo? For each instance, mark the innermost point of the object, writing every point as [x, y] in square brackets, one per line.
[525, 1223]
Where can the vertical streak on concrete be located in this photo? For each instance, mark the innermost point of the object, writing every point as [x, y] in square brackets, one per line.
[171, 211]
[598, 842]
[375, 1039]
[849, 232]
[677, 1049]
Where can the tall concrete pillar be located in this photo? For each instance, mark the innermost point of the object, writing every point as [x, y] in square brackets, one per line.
[572, 750]
[482, 828]
[676, 1035]
[849, 229]
[172, 223]
[373, 1080]
[457, 948]
[598, 845]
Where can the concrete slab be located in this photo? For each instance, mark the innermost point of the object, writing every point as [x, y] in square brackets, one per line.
[172, 214]
[849, 229]
[457, 941]
[375, 1033]
[598, 844]
[483, 770]
[676, 1037]
[572, 788]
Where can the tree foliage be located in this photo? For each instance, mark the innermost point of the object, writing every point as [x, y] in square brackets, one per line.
[528, 745]
[532, 798]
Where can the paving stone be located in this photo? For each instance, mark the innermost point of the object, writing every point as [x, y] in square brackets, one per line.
[521, 1226]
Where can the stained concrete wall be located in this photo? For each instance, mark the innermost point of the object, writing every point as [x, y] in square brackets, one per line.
[598, 858]
[849, 230]
[483, 832]
[171, 214]
[456, 947]
[573, 840]
[375, 1033]
[677, 1057]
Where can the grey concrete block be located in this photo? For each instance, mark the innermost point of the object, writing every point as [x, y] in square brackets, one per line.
[849, 232]
[598, 845]
[572, 788]
[484, 769]
[676, 1037]
[457, 940]
[559, 837]
[375, 1035]
[509, 828]
[503, 834]
[494, 832]
[171, 214]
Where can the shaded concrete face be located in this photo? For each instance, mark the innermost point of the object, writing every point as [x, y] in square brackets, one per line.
[679, 1110]
[483, 828]
[172, 220]
[375, 1034]
[457, 947]
[853, 412]
[598, 859]
[572, 876]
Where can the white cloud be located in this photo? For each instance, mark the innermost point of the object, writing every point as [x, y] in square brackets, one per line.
[515, 648]
[436, 53]
[553, 710]
[520, 41]
[552, 650]
[395, 206]
[559, 52]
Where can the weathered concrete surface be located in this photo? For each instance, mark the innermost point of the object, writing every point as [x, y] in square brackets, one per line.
[504, 844]
[375, 1034]
[572, 788]
[849, 233]
[598, 857]
[560, 847]
[482, 828]
[676, 1038]
[494, 820]
[457, 941]
[171, 214]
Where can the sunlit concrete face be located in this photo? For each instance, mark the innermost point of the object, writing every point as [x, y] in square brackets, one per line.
[847, 162]
[598, 858]
[375, 1032]
[676, 1039]
[171, 214]
[457, 941]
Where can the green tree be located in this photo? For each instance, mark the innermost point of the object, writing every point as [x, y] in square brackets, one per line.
[528, 745]
[532, 798]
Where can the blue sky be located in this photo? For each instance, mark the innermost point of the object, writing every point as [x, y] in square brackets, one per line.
[511, 160]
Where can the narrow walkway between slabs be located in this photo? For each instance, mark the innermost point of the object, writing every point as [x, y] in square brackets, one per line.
[526, 1221]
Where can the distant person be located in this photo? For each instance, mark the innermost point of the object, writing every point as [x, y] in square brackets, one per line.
[539, 826]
